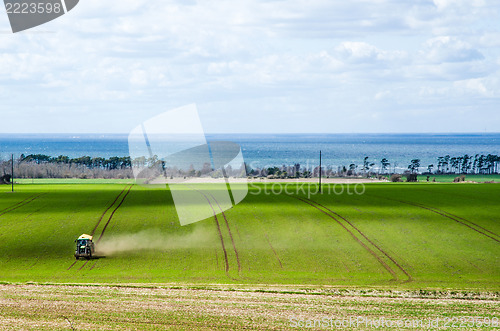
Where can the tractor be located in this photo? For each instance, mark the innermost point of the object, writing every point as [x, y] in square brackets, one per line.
[84, 247]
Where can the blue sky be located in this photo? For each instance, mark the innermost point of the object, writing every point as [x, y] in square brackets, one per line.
[257, 66]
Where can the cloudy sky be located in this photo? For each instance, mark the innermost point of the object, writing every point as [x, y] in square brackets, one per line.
[257, 66]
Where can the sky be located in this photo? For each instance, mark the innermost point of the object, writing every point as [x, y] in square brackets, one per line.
[293, 66]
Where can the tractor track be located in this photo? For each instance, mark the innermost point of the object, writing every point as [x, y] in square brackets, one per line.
[275, 254]
[21, 204]
[72, 265]
[268, 241]
[104, 213]
[218, 229]
[113, 213]
[410, 278]
[466, 220]
[109, 220]
[447, 215]
[230, 233]
[375, 255]
[83, 265]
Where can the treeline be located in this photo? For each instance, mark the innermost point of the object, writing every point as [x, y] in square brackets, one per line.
[44, 166]
[86, 161]
[478, 164]
[460, 165]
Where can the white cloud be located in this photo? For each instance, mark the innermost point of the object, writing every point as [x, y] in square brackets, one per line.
[450, 49]
[258, 57]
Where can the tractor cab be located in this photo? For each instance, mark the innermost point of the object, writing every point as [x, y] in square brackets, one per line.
[84, 247]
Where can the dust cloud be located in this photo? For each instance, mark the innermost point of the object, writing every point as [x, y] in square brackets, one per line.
[154, 240]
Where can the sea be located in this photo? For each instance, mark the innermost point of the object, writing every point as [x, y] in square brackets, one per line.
[265, 150]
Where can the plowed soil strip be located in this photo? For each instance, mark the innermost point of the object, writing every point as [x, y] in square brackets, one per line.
[113, 213]
[230, 233]
[104, 213]
[389, 269]
[218, 227]
[275, 254]
[368, 239]
[20, 204]
[444, 214]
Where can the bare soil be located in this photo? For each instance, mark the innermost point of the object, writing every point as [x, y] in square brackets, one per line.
[59, 307]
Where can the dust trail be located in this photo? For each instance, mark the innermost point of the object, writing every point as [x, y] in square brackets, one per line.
[154, 240]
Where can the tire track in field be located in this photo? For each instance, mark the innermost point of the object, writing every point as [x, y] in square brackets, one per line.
[444, 214]
[218, 228]
[272, 248]
[410, 278]
[466, 220]
[83, 265]
[104, 213]
[375, 255]
[6, 210]
[453, 215]
[100, 219]
[21, 204]
[71, 266]
[113, 213]
[268, 241]
[230, 233]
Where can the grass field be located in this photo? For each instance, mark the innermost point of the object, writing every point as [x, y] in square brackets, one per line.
[387, 250]
[393, 235]
[450, 178]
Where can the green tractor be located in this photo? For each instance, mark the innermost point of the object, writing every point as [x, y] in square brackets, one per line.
[84, 247]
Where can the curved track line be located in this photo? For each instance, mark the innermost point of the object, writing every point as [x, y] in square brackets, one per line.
[21, 204]
[275, 254]
[99, 221]
[443, 213]
[230, 233]
[386, 267]
[218, 228]
[466, 220]
[451, 218]
[410, 278]
[113, 213]
[111, 205]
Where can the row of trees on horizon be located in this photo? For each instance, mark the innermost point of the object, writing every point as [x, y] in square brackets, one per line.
[44, 166]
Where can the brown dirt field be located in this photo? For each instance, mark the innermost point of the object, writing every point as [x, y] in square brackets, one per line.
[52, 307]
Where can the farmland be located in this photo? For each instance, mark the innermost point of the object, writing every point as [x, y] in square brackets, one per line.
[391, 250]
[406, 236]
[162, 308]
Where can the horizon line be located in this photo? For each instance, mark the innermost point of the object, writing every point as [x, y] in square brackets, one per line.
[262, 133]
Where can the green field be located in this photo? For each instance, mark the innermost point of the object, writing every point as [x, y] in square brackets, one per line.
[450, 178]
[394, 236]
